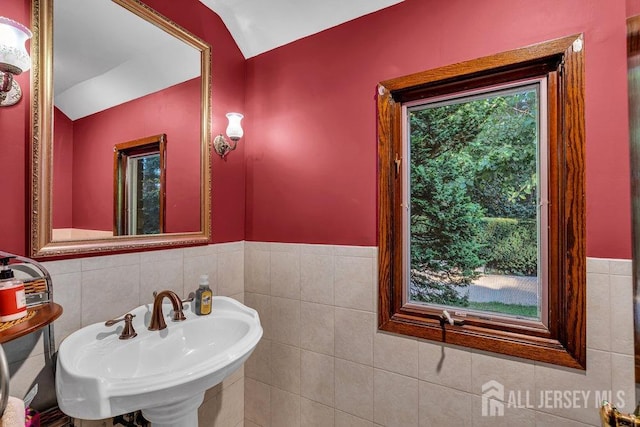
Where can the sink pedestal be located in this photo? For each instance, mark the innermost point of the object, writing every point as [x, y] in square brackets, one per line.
[183, 413]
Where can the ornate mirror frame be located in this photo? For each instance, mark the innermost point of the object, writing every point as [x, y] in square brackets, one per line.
[633, 57]
[40, 170]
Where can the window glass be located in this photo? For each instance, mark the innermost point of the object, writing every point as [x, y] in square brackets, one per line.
[474, 191]
[143, 187]
[139, 186]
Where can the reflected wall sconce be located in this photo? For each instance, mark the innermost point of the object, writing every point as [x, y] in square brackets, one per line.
[234, 132]
[14, 59]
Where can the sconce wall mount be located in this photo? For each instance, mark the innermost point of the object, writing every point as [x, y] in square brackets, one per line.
[234, 132]
[14, 59]
[10, 92]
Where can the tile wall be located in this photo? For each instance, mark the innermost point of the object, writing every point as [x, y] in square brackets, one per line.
[100, 288]
[323, 363]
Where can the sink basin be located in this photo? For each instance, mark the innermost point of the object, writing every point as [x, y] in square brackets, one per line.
[164, 373]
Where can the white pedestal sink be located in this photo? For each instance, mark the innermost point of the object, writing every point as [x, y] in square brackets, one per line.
[164, 373]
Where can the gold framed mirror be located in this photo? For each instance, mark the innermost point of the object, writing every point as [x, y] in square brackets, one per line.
[633, 79]
[95, 84]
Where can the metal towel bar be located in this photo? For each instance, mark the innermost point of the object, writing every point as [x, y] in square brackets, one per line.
[4, 381]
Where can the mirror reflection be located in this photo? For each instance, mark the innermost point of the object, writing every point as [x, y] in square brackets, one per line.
[120, 129]
[119, 78]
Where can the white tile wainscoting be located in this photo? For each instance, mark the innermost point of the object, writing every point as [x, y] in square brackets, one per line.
[322, 361]
[99, 288]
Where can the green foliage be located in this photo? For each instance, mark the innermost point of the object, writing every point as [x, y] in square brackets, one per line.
[444, 218]
[444, 224]
[513, 309]
[148, 220]
[469, 160]
[505, 150]
[510, 246]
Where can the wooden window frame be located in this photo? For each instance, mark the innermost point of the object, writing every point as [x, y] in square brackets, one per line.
[121, 153]
[562, 341]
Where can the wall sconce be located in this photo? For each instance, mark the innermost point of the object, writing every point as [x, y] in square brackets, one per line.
[14, 59]
[234, 132]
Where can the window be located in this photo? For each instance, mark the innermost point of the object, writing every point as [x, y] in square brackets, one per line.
[481, 203]
[139, 191]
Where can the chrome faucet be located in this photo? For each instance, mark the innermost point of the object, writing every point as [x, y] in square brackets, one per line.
[157, 317]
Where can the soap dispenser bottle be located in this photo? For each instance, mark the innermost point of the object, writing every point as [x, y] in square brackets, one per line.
[13, 303]
[204, 297]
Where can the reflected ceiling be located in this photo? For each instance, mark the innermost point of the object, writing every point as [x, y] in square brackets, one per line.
[104, 56]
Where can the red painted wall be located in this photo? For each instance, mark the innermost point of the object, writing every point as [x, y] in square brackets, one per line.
[633, 7]
[311, 173]
[228, 87]
[14, 126]
[62, 210]
[310, 115]
[173, 111]
[228, 70]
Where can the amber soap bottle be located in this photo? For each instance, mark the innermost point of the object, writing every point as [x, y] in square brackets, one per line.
[204, 297]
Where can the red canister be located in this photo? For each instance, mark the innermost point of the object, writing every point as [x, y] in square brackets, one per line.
[13, 304]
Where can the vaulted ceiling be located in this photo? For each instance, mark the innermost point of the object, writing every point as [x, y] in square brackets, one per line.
[116, 46]
[261, 25]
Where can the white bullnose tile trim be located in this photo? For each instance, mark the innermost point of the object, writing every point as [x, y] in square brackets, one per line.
[597, 265]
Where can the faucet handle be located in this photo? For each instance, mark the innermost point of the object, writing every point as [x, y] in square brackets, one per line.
[190, 297]
[127, 332]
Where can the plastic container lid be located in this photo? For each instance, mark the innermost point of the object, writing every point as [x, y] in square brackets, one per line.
[6, 272]
[204, 280]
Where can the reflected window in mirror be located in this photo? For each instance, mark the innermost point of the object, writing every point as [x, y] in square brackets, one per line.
[139, 186]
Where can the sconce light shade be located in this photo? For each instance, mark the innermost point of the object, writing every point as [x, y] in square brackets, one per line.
[14, 58]
[234, 132]
[234, 129]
